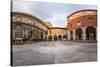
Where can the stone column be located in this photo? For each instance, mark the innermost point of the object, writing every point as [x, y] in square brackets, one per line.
[69, 36]
[23, 33]
[32, 32]
[13, 33]
[52, 37]
[26, 33]
[74, 37]
[47, 37]
[83, 33]
[44, 35]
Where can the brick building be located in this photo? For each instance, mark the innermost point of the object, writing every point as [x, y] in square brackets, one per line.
[82, 25]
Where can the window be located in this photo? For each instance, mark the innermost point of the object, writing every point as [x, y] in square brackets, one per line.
[18, 32]
[18, 18]
[90, 20]
[79, 23]
[29, 21]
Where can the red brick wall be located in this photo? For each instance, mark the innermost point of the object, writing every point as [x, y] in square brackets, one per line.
[84, 22]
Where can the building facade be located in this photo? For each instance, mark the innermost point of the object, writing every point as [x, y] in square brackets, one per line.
[57, 33]
[27, 27]
[82, 25]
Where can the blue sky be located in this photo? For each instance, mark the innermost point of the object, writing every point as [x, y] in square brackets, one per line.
[56, 13]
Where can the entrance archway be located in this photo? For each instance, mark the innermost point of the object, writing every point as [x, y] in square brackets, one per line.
[50, 38]
[78, 34]
[60, 37]
[65, 37]
[90, 33]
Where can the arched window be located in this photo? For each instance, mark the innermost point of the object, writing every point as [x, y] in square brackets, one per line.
[90, 20]
[18, 32]
[78, 23]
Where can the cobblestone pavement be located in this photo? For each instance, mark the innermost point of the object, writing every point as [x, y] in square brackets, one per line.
[53, 52]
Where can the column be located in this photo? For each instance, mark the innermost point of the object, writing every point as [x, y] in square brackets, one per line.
[23, 32]
[52, 37]
[69, 36]
[13, 36]
[32, 33]
[83, 33]
[74, 37]
[44, 35]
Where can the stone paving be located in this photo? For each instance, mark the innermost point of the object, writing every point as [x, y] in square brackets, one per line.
[53, 52]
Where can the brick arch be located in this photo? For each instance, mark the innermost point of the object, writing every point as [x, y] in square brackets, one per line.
[91, 33]
[78, 33]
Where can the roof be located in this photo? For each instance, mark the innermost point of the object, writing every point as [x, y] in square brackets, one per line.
[81, 11]
[57, 28]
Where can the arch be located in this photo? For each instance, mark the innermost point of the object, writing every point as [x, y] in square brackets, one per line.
[78, 33]
[71, 35]
[60, 37]
[50, 38]
[45, 38]
[65, 37]
[90, 33]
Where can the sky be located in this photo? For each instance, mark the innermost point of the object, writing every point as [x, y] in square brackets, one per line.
[56, 13]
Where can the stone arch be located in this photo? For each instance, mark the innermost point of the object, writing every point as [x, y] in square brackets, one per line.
[65, 37]
[50, 38]
[78, 33]
[60, 37]
[90, 33]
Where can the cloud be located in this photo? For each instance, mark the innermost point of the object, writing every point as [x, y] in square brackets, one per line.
[56, 13]
[58, 20]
